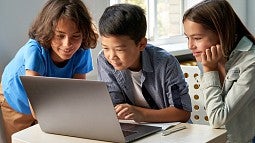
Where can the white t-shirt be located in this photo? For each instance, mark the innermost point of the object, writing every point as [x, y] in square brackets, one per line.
[138, 95]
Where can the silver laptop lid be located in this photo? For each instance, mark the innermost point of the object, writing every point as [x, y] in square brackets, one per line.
[85, 115]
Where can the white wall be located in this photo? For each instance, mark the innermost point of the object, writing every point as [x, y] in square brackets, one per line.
[97, 8]
[245, 10]
[16, 17]
[250, 15]
[240, 8]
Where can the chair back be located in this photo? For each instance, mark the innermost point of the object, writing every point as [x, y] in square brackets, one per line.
[192, 77]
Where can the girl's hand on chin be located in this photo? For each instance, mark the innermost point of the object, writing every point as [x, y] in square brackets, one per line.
[211, 57]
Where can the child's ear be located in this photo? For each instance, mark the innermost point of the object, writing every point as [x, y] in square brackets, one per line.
[143, 43]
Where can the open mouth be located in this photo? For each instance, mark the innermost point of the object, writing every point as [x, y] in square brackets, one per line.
[67, 51]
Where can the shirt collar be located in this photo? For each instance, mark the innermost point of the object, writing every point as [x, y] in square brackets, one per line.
[244, 44]
[146, 62]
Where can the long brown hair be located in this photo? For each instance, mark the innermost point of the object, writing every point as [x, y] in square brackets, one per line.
[219, 17]
[44, 25]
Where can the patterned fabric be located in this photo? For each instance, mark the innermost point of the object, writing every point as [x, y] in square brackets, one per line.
[160, 71]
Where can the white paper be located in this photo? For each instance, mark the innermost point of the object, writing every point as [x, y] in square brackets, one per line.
[164, 126]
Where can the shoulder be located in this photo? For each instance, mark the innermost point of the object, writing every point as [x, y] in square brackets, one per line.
[31, 49]
[101, 57]
[33, 46]
[102, 62]
[158, 59]
[33, 43]
[155, 53]
[244, 56]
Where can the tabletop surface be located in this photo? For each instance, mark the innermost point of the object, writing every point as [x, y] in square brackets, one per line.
[193, 133]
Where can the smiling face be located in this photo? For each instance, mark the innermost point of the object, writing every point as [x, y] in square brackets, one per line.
[199, 38]
[122, 52]
[66, 41]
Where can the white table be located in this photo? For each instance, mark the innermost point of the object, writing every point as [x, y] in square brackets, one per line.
[194, 133]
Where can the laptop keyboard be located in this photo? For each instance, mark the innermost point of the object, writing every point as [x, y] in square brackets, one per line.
[128, 129]
[127, 133]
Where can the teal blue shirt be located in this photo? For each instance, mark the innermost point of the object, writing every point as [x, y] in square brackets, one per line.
[32, 56]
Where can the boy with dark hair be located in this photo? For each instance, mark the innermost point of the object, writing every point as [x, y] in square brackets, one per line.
[145, 82]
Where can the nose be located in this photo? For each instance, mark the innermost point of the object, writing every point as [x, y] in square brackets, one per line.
[112, 54]
[67, 41]
[191, 44]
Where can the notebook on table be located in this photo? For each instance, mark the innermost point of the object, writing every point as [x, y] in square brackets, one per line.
[79, 108]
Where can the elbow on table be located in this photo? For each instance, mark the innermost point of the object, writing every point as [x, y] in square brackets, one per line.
[186, 118]
[216, 124]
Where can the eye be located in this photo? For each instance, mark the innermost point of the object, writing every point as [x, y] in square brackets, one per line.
[78, 36]
[120, 50]
[105, 48]
[197, 38]
[60, 36]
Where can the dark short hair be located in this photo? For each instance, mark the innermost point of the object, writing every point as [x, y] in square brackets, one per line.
[44, 25]
[123, 20]
[219, 17]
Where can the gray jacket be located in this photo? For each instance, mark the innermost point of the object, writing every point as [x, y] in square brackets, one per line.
[233, 105]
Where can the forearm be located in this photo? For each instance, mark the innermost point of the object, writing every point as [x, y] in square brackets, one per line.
[170, 114]
[79, 76]
[214, 104]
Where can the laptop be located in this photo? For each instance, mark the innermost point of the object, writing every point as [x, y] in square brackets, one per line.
[79, 108]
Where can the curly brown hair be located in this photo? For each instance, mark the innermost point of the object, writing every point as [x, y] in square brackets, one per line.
[44, 25]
